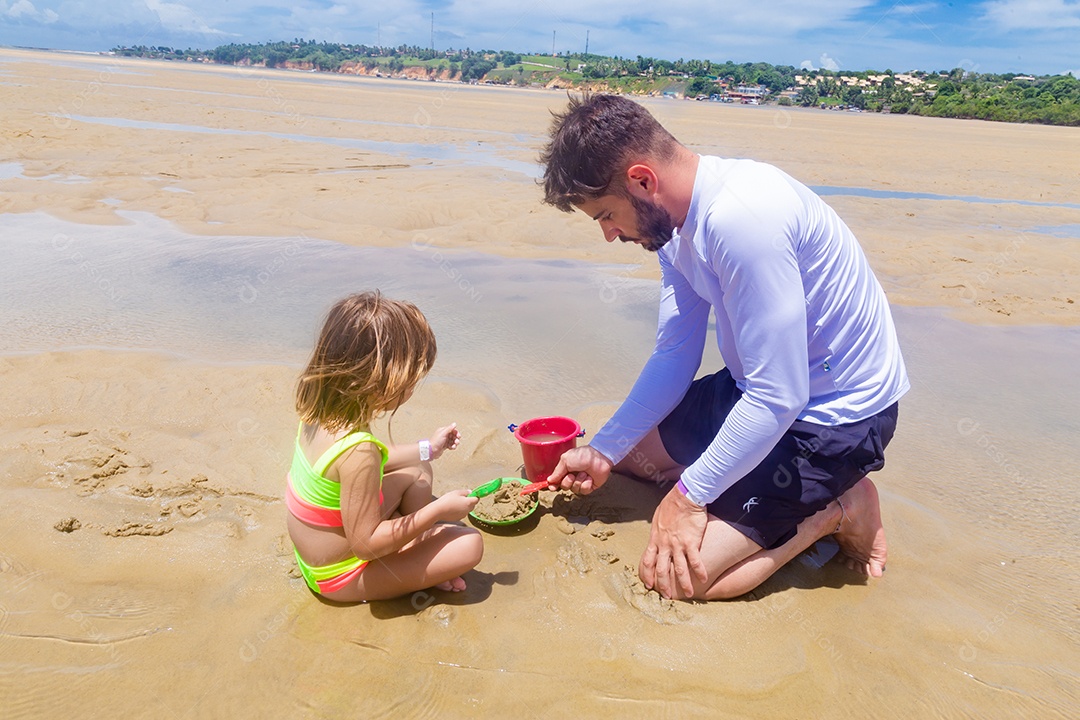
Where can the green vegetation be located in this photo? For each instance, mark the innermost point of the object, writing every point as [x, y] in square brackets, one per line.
[1053, 100]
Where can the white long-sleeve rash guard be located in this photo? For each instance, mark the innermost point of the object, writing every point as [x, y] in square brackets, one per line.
[801, 322]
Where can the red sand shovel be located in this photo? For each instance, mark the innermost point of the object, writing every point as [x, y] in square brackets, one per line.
[533, 487]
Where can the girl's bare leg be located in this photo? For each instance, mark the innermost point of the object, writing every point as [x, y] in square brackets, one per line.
[412, 485]
[406, 490]
[439, 555]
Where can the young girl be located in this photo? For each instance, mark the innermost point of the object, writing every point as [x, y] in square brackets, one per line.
[361, 514]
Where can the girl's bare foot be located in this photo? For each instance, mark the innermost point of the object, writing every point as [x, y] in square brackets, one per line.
[455, 585]
[860, 534]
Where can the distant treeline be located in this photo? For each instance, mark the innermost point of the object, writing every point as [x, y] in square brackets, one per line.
[957, 93]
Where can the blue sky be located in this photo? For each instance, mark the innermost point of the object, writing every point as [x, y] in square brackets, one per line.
[1035, 36]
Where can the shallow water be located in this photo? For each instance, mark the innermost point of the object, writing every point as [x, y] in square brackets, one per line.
[262, 88]
[9, 170]
[148, 286]
[90, 61]
[902, 195]
[477, 154]
[474, 155]
[1071, 230]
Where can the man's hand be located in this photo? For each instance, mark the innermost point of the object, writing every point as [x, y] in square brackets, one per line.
[672, 557]
[581, 470]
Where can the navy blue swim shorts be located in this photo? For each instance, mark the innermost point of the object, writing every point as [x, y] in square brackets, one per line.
[811, 466]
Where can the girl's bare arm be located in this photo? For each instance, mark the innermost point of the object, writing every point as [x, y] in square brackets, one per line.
[368, 534]
[443, 439]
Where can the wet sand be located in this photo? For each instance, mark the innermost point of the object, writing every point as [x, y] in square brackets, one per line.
[161, 288]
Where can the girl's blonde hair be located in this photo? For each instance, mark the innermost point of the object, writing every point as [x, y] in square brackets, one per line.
[371, 353]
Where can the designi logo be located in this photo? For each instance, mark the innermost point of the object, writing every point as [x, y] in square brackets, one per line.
[750, 504]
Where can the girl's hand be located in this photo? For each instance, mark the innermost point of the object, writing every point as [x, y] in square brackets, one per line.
[454, 505]
[443, 439]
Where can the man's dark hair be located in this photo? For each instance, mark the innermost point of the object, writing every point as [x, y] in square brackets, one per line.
[597, 138]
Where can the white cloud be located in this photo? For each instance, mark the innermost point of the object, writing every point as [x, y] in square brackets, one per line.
[824, 63]
[339, 10]
[828, 63]
[25, 10]
[177, 17]
[22, 8]
[902, 8]
[1033, 14]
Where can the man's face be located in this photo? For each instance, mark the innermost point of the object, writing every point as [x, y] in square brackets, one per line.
[631, 220]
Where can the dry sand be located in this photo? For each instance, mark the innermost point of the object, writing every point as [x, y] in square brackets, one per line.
[144, 568]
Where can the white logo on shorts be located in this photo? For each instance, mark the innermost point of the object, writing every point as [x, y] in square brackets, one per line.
[751, 503]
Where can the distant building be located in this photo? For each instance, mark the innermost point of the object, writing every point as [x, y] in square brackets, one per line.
[853, 81]
[747, 93]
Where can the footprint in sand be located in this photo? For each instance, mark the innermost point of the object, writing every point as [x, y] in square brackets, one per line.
[82, 459]
[544, 586]
[648, 602]
[576, 556]
[199, 498]
[436, 614]
[248, 516]
[98, 463]
[91, 471]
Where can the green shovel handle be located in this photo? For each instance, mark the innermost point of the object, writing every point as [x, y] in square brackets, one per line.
[487, 488]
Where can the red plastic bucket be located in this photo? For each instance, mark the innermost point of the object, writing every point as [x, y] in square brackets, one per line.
[543, 441]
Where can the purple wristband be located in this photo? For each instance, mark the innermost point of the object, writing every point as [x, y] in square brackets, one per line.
[686, 493]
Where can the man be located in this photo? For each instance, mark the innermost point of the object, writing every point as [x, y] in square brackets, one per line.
[771, 453]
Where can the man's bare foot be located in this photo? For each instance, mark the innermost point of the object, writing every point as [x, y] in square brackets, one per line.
[455, 585]
[860, 535]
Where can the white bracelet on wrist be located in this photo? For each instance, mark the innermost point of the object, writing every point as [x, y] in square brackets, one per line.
[425, 450]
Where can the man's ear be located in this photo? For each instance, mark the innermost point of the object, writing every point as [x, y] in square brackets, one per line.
[641, 181]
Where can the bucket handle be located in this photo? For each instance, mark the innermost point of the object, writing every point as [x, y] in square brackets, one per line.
[512, 427]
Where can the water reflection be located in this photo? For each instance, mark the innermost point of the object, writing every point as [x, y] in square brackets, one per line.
[472, 154]
[253, 299]
[901, 195]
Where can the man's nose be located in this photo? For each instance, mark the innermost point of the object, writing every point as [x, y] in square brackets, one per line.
[610, 231]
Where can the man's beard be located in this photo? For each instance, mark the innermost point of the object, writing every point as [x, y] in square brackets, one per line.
[654, 223]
